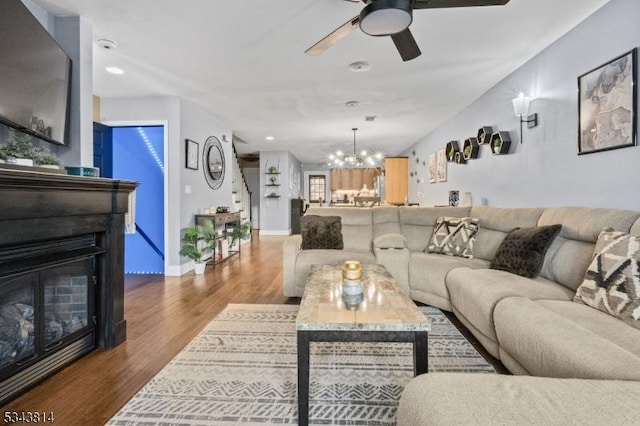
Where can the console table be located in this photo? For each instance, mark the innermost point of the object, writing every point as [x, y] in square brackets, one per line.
[223, 225]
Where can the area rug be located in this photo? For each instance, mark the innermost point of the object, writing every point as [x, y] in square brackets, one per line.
[241, 369]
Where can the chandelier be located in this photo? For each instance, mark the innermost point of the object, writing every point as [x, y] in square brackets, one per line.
[357, 159]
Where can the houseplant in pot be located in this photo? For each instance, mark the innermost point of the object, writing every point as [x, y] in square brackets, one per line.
[48, 161]
[241, 232]
[19, 150]
[198, 241]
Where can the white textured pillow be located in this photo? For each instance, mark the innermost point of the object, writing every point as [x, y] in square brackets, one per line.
[612, 281]
[454, 236]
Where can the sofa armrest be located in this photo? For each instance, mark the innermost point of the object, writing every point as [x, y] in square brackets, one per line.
[290, 250]
[390, 241]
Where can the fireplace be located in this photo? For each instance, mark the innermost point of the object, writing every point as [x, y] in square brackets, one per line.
[61, 273]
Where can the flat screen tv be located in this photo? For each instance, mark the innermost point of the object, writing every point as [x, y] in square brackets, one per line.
[35, 75]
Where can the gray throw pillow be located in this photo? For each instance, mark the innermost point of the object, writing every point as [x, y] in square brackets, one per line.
[321, 232]
[522, 250]
[612, 281]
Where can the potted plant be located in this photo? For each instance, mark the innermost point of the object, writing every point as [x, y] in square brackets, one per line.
[197, 241]
[19, 150]
[3, 156]
[48, 161]
[241, 232]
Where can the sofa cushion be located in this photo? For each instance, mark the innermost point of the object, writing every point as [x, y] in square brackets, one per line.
[572, 251]
[474, 294]
[321, 232]
[454, 236]
[492, 399]
[523, 249]
[566, 339]
[612, 281]
[357, 226]
[417, 223]
[496, 223]
[388, 241]
[427, 274]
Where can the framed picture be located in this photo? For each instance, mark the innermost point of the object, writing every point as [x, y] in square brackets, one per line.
[432, 168]
[441, 165]
[192, 149]
[607, 105]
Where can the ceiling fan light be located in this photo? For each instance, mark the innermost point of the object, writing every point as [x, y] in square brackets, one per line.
[386, 17]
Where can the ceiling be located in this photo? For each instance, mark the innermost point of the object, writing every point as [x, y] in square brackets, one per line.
[244, 62]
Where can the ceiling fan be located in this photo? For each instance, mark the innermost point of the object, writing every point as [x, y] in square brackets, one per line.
[392, 18]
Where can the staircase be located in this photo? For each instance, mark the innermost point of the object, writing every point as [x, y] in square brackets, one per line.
[240, 189]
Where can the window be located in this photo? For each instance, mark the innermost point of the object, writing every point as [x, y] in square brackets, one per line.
[317, 188]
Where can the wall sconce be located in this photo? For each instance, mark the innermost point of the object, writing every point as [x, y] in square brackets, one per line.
[521, 109]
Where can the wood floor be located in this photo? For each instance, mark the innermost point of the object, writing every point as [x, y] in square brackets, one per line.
[163, 314]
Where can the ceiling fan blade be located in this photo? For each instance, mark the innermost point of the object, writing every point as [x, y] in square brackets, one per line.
[406, 45]
[435, 4]
[333, 37]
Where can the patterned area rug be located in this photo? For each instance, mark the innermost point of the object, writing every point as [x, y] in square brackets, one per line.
[242, 369]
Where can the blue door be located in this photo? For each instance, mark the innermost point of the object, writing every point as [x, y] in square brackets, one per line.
[138, 155]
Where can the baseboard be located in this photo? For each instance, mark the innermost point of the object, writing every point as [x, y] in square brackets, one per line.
[178, 270]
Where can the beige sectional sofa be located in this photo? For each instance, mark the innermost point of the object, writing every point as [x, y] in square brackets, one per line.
[531, 324]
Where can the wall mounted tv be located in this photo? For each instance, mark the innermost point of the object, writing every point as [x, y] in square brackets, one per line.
[35, 76]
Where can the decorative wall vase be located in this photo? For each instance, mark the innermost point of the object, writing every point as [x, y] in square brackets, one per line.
[500, 143]
[451, 149]
[484, 135]
[470, 148]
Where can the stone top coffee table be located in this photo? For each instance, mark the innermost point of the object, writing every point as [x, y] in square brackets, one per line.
[385, 314]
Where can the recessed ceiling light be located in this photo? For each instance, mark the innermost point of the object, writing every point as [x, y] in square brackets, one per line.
[359, 66]
[115, 70]
[269, 138]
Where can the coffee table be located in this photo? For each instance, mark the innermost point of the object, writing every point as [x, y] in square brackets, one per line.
[385, 315]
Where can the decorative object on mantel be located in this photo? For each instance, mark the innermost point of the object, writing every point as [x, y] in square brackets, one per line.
[459, 158]
[500, 143]
[451, 149]
[521, 109]
[470, 148]
[607, 98]
[83, 171]
[20, 150]
[441, 165]
[484, 135]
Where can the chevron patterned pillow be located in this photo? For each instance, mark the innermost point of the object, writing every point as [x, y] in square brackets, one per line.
[612, 281]
[454, 236]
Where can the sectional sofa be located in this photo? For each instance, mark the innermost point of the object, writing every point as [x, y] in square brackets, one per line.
[533, 325]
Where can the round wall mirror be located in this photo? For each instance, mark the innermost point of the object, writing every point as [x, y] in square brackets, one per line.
[213, 161]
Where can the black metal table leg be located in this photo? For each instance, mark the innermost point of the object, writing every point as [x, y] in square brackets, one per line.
[303, 378]
[420, 352]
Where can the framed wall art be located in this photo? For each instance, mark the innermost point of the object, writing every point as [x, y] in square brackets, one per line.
[607, 105]
[441, 165]
[432, 168]
[192, 154]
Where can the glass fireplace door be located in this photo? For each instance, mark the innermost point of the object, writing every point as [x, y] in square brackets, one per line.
[67, 308]
[17, 320]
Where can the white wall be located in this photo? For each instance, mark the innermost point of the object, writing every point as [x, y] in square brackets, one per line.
[545, 170]
[184, 120]
[252, 176]
[275, 213]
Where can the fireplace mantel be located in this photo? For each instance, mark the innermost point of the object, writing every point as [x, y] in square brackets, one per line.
[39, 207]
